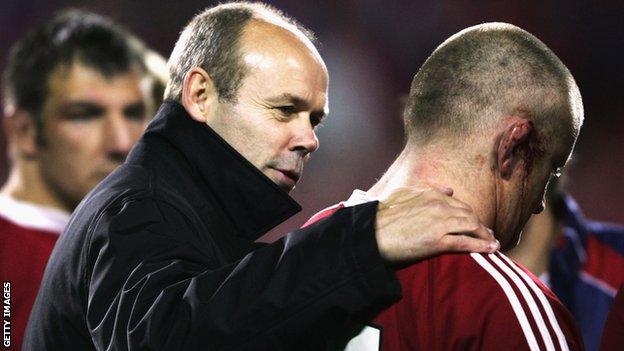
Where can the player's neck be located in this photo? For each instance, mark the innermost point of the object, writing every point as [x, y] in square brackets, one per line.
[25, 183]
[468, 178]
[538, 237]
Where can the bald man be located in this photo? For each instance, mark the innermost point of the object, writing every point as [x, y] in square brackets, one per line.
[494, 114]
[161, 255]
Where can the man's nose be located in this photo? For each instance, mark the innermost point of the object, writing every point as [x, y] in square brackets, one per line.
[117, 137]
[304, 138]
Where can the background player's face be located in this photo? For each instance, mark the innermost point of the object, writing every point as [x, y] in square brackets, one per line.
[90, 122]
[281, 100]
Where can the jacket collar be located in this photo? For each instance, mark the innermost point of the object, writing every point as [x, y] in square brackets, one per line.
[252, 203]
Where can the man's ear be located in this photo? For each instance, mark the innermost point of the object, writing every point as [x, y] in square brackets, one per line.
[513, 145]
[21, 131]
[199, 94]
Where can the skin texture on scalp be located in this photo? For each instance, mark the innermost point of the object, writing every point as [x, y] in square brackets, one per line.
[490, 93]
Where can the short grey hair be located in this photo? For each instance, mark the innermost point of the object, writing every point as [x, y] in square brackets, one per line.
[484, 72]
[211, 41]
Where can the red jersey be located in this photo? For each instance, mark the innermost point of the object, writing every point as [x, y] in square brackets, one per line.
[28, 233]
[467, 302]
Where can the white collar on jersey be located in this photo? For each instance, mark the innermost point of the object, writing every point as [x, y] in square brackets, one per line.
[358, 197]
[33, 216]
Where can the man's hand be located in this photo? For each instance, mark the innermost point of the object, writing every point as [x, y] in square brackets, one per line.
[416, 223]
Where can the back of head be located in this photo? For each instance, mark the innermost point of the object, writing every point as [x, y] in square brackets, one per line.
[211, 41]
[71, 37]
[484, 73]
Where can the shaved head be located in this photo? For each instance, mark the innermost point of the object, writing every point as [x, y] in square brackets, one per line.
[487, 72]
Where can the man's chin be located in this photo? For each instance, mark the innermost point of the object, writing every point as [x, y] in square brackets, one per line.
[285, 186]
[287, 189]
[511, 241]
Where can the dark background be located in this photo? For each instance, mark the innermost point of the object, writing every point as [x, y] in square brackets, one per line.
[373, 49]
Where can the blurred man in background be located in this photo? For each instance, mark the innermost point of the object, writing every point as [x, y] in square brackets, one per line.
[581, 260]
[76, 95]
[495, 114]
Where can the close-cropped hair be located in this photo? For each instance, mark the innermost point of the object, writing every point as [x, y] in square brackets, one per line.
[486, 72]
[71, 37]
[211, 41]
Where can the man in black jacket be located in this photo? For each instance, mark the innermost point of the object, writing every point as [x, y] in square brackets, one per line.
[161, 255]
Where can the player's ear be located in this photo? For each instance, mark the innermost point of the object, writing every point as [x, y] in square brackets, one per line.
[199, 95]
[21, 131]
[513, 147]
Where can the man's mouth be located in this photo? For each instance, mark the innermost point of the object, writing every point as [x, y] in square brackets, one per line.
[291, 174]
[286, 179]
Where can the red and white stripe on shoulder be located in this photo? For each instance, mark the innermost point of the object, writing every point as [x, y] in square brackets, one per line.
[323, 214]
[528, 300]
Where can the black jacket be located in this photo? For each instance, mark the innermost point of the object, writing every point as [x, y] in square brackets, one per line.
[161, 255]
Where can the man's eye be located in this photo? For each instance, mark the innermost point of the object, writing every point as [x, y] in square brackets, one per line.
[316, 121]
[135, 112]
[286, 110]
[82, 115]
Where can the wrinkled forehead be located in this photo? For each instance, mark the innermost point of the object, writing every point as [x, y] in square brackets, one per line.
[80, 74]
[82, 84]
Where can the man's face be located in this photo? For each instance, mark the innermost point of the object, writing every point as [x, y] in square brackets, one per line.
[90, 122]
[281, 100]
